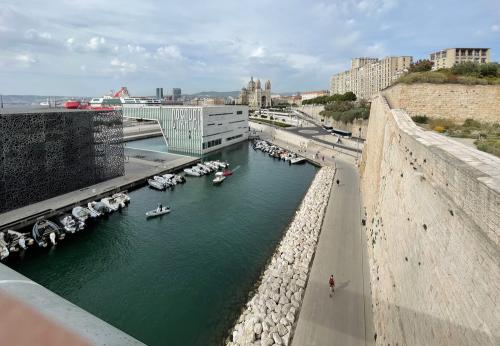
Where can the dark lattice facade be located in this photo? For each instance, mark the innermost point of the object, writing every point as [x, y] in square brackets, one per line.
[45, 154]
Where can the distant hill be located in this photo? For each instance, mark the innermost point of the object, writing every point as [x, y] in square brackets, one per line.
[216, 94]
[33, 100]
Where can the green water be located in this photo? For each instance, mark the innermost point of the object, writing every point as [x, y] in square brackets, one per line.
[182, 278]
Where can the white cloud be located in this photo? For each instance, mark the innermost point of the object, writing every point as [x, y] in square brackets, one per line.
[135, 49]
[32, 34]
[123, 66]
[25, 59]
[96, 43]
[168, 52]
[495, 28]
[258, 52]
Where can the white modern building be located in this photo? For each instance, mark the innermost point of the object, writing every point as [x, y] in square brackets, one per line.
[196, 130]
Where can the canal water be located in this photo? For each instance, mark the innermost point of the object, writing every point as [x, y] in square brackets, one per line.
[182, 278]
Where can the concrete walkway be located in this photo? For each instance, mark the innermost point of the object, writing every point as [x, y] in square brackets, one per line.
[346, 318]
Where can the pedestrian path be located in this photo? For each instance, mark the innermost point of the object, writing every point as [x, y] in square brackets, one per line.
[346, 318]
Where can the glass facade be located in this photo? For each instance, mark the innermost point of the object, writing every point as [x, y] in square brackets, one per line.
[181, 126]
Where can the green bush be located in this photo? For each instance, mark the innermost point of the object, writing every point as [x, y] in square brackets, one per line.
[421, 66]
[420, 119]
[471, 123]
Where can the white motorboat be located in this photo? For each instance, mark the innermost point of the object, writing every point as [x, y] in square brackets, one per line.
[67, 223]
[169, 178]
[203, 168]
[16, 240]
[111, 203]
[297, 160]
[4, 249]
[193, 172]
[219, 178]
[156, 184]
[122, 197]
[81, 213]
[212, 165]
[180, 179]
[161, 180]
[158, 211]
[95, 209]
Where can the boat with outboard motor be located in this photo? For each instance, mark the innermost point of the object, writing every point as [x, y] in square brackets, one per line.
[4, 248]
[16, 240]
[111, 203]
[97, 209]
[81, 213]
[45, 231]
[160, 210]
[156, 184]
[67, 223]
[219, 178]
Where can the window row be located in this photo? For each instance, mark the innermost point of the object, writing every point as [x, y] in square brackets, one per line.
[212, 143]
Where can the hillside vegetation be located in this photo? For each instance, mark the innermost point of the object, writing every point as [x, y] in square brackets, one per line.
[464, 73]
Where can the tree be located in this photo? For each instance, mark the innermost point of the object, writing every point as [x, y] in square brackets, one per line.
[421, 66]
[349, 96]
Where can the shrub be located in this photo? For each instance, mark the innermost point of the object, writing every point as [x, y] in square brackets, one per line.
[441, 122]
[465, 68]
[420, 119]
[421, 66]
[471, 123]
[439, 129]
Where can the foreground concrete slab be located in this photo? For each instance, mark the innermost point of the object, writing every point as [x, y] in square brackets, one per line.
[345, 318]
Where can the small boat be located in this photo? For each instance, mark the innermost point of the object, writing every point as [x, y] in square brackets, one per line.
[219, 178]
[191, 171]
[67, 223]
[156, 184]
[180, 179]
[111, 203]
[121, 197]
[297, 160]
[44, 231]
[4, 248]
[227, 172]
[17, 241]
[158, 211]
[97, 209]
[81, 213]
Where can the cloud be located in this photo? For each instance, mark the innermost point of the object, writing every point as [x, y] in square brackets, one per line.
[32, 34]
[168, 52]
[97, 44]
[495, 28]
[123, 66]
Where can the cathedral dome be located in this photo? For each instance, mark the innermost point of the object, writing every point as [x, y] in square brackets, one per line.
[251, 85]
[257, 86]
[268, 85]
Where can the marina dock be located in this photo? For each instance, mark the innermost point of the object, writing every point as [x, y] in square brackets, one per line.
[139, 166]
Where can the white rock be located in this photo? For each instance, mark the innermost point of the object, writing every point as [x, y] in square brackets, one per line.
[281, 329]
[277, 339]
[257, 328]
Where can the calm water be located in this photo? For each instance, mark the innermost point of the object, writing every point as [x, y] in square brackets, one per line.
[179, 279]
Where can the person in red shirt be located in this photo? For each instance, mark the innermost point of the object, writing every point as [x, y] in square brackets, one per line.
[331, 282]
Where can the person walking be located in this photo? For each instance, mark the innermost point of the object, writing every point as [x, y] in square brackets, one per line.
[331, 283]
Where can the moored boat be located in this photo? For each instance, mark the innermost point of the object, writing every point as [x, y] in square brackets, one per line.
[67, 223]
[156, 184]
[45, 231]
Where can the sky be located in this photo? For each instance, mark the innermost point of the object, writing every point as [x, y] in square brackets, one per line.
[89, 47]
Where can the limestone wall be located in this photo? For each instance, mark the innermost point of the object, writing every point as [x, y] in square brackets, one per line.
[454, 101]
[433, 229]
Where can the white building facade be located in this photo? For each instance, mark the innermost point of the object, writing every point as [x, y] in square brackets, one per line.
[196, 130]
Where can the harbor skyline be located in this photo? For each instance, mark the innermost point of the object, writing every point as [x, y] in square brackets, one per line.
[77, 48]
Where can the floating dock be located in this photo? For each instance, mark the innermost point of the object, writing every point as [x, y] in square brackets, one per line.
[139, 166]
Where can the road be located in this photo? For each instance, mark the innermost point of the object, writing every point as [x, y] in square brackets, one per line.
[346, 318]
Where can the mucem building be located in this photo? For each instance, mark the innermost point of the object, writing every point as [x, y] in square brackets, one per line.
[50, 152]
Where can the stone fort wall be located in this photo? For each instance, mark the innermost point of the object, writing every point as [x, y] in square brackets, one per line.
[454, 101]
[433, 230]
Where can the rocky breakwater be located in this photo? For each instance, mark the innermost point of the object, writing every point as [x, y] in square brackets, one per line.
[269, 316]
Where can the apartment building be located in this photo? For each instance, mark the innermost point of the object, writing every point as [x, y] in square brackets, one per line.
[367, 76]
[446, 58]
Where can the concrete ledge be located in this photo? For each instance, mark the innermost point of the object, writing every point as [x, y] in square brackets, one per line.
[61, 311]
